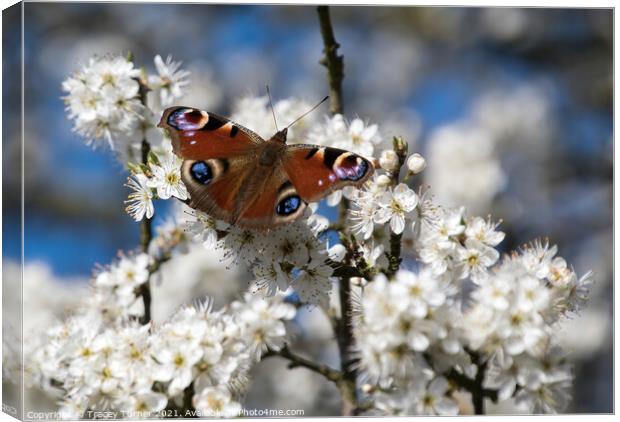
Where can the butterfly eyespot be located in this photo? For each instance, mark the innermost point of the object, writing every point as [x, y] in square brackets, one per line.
[288, 205]
[351, 168]
[186, 119]
[201, 172]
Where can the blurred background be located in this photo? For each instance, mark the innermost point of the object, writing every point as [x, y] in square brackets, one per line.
[512, 109]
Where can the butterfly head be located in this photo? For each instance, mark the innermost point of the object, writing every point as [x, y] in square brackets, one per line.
[280, 136]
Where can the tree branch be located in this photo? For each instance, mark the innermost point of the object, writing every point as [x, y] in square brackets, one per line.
[297, 361]
[474, 387]
[349, 271]
[332, 61]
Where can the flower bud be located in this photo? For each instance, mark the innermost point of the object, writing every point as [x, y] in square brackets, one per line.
[337, 253]
[368, 388]
[416, 163]
[383, 180]
[389, 160]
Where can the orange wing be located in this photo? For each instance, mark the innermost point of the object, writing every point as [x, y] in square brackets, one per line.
[242, 193]
[317, 171]
[199, 135]
[214, 185]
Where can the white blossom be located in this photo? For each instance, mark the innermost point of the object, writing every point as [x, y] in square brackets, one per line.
[261, 322]
[167, 178]
[142, 405]
[397, 322]
[204, 229]
[434, 400]
[395, 205]
[313, 283]
[102, 100]
[475, 257]
[483, 231]
[270, 278]
[116, 285]
[337, 252]
[168, 85]
[141, 199]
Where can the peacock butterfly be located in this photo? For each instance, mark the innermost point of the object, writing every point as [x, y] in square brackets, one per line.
[234, 175]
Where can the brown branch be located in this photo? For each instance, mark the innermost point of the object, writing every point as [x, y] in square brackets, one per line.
[474, 387]
[332, 61]
[299, 361]
[349, 271]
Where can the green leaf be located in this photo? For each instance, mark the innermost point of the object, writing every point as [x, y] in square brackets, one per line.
[133, 167]
[152, 158]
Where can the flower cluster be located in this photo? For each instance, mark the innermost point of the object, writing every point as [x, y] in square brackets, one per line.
[418, 330]
[290, 256]
[137, 370]
[103, 99]
[512, 320]
[465, 247]
[109, 100]
[401, 321]
[380, 203]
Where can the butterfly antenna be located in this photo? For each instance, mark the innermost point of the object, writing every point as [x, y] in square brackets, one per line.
[308, 112]
[271, 105]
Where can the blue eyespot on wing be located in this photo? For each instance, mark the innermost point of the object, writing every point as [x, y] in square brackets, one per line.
[201, 172]
[351, 167]
[288, 205]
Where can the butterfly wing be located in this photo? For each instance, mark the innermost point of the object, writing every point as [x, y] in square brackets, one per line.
[229, 190]
[272, 200]
[218, 158]
[199, 135]
[224, 177]
[316, 171]
[213, 185]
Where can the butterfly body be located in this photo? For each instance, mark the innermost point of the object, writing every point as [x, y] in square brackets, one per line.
[236, 176]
